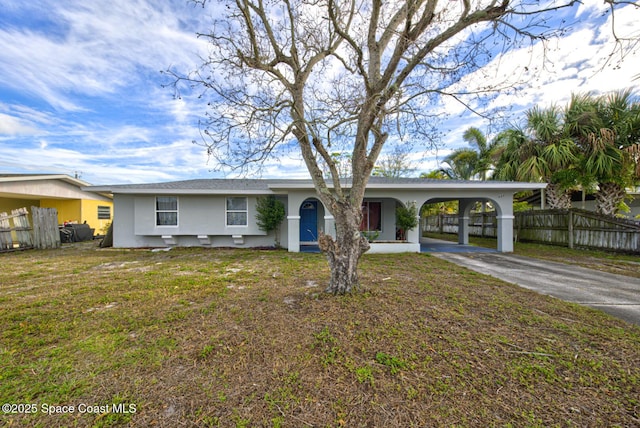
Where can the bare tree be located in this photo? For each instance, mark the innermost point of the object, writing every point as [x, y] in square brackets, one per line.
[322, 76]
[394, 164]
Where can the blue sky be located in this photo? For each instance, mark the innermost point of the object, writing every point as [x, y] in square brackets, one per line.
[81, 89]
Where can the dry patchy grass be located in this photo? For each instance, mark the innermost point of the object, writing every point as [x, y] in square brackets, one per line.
[196, 337]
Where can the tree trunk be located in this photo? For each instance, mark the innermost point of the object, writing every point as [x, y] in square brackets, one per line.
[556, 198]
[608, 197]
[344, 252]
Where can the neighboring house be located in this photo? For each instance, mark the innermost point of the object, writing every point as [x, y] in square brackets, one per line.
[221, 212]
[62, 192]
[587, 202]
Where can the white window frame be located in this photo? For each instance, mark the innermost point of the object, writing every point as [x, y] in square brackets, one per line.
[245, 211]
[157, 211]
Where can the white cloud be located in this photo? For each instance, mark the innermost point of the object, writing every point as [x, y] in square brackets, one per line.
[135, 164]
[289, 167]
[104, 47]
[10, 125]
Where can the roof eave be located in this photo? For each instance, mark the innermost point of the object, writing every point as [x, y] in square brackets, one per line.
[283, 187]
[441, 184]
[63, 177]
[165, 191]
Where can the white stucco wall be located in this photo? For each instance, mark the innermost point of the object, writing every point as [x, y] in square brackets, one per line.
[199, 216]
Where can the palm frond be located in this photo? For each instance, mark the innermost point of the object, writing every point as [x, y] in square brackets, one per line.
[560, 155]
[476, 138]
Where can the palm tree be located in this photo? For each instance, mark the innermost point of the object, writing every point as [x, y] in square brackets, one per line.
[543, 152]
[462, 164]
[607, 130]
[476, 161]
[487, 151]
[515, 149]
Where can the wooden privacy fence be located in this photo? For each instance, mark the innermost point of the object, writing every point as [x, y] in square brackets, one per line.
[45, 228]
[578, 228]
[480, 224]
[570, 228]
[17, 234]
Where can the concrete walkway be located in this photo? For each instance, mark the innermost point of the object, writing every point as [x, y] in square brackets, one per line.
[616, 295]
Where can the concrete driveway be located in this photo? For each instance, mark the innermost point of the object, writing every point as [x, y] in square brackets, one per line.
[429, 245]
[616, 295]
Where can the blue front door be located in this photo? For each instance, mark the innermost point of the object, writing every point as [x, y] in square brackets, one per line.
[309, 221]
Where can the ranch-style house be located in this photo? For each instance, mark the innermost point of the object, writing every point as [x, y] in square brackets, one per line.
[221, 212]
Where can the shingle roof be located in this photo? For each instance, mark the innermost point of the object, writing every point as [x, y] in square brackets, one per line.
[265, 186]
[213, 185]
[201, 184]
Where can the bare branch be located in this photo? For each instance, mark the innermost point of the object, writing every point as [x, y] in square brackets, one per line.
[327, 74]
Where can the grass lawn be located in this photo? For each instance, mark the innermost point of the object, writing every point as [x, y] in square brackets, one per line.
[235, 338]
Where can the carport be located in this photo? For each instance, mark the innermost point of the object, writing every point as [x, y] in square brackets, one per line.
[468, 193]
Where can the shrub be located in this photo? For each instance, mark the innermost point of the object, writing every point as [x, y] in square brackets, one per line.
[270, 213]
[406, 218]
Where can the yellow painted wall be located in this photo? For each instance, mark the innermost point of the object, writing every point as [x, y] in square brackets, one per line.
[80, 211]
[90, 215]
[68, 209]
[8, 204]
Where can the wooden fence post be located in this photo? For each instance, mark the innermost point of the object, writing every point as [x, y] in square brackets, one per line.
[6, 243]
[22, 227]
[21, 230]
[570, 227]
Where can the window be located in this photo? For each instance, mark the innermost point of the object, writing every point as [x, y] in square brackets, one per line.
[371, 216]
[104, 212]
[166, 211]
[237, 212]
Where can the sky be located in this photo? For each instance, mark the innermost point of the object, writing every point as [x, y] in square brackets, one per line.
[82, 93]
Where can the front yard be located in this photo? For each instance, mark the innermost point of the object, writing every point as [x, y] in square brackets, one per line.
[197, 337]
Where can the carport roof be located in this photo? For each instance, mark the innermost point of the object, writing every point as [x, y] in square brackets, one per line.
[269, 186]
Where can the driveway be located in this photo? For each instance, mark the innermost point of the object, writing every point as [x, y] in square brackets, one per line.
[429, 245]
[616, 295]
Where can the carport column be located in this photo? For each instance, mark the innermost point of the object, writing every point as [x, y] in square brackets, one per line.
[505, 233]
[464, 208]
[329, 226]
[413, 235]
[294, 233]
[463, 230]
